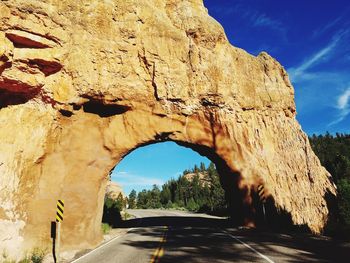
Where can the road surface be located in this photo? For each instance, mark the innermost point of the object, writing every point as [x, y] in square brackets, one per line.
[176, 236]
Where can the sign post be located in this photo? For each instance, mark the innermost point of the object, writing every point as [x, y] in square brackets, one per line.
[261, 194]
[59, 219]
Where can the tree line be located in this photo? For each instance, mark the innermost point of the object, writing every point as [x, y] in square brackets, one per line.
[197, 189]
[334, 154]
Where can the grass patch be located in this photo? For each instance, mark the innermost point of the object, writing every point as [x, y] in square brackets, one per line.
[36, 256]
[106, 228]
[127, 216]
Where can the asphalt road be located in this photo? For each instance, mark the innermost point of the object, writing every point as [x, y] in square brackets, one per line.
[175, 236]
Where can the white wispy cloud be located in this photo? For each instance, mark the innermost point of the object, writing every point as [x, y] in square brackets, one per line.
[302, 71]
[344, 99]
[324, 88]
[334, 23]
[129, 179]
[296, 73]
[343, 104]
[263, 20]
[323, 29]
[253, 16]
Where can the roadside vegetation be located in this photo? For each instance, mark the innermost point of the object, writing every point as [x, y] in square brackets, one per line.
[334, 154]
[111, 212]
[35, 256]
[106, 228]
[114, 212]
[197, 190]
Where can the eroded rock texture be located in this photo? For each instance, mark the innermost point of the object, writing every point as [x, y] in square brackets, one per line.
[84, 83]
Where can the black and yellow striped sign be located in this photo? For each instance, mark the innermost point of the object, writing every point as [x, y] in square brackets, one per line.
[261, 193]
[59, 210]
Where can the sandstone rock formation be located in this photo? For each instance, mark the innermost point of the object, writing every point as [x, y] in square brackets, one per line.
[82, 84]
[203, 178]
[113, 190]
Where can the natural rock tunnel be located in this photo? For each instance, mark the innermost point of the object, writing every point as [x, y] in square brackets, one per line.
[81, 85]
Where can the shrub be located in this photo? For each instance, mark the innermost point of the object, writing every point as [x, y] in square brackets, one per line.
[105, 228]
[37, 255]
[169, 205]
[111, 212]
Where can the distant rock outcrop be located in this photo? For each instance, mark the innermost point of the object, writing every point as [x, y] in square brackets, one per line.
[83, 83]
[113, 190]
[201, 176]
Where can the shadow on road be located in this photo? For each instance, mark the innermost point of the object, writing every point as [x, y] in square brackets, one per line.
[175, 221]
[198, 239]
[296, 247]
[187, 244]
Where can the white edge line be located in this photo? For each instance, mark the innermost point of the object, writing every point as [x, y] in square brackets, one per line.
[103, 245]
[252, 249]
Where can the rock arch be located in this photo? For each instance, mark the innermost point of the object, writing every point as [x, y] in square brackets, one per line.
[81, 86]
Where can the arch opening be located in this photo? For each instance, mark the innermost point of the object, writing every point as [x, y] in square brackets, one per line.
[238, 208]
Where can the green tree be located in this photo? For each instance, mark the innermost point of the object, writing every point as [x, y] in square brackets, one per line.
[155, 197]
[165, 195]
[121, 201]
[111, 211]
[142, 199]
[196, 187]
[202, 167]
[195, 169]
[334, 154]
[217, 194]
[192, 205]
[132, 199]
[344, 200]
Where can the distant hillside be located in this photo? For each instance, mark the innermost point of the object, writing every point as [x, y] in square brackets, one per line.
[197, 189]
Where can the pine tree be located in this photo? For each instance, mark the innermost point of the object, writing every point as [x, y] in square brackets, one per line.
[195, 169]
[344, 200]
[132, 199]
[165, 195]
[202, 167]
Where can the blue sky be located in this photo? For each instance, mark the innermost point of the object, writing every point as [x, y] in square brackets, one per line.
[310, 38]
[154, 164]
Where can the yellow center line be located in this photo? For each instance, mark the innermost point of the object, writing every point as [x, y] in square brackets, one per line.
[159, 252]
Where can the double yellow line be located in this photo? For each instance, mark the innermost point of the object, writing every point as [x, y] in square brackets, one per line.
[160, 250]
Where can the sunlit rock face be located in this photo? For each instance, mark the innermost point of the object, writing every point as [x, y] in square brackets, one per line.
[84, 83]
[113, 190]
